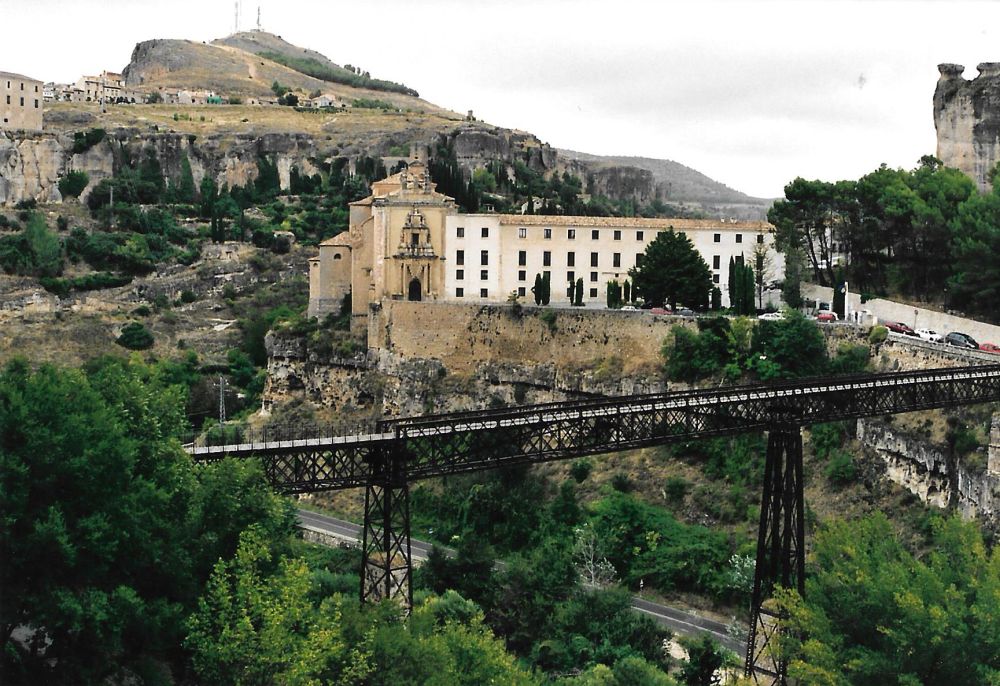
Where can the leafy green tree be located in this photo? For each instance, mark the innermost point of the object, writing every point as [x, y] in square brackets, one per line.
[975, 281]
[790, 348]
[135, 336]
[673, 272]
[209, 193]
[73, 183]
[614, 292]
[704, 660]
[933, 620]
[185, 189]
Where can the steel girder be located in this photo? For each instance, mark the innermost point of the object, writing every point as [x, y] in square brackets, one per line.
[780, 553]
[387, 565]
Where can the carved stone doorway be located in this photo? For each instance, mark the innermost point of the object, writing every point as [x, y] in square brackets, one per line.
[414, 290]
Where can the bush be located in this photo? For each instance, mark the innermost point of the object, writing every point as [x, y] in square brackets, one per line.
[85, 140]
[675, 488]
[90, 282]
[841, 469]
[188, 296]
[580, 470]
[73, 184]
[621, 483]
[878, 334]
[135, 336]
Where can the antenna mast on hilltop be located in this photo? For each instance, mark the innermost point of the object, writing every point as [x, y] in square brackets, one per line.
[258, 17]
[236, 21]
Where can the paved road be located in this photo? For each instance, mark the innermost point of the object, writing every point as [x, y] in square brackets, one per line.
[679, 621]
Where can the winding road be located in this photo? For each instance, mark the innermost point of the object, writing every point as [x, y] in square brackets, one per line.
[679, 621]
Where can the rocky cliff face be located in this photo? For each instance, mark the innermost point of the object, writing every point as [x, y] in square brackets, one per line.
[967, 119]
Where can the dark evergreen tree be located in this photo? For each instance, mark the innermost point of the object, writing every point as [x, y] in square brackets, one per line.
[673, 272]
[578, 300]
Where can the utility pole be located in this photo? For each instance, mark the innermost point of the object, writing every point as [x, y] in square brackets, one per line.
[111, 204]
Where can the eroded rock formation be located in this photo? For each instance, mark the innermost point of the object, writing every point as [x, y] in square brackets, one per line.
[967, 119]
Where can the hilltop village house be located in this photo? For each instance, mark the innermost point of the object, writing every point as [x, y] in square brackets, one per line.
[20, 103]
[406, 241]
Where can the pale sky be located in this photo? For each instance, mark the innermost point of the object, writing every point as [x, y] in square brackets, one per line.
[752, 93]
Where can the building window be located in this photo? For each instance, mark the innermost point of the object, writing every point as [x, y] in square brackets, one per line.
[484, 293]
[547, 259]
[547, 234]
[484, 274]
[522, 232]
[638, 235]
[521, 291]
[593, 292]
[571, 234]
[22, 99]
[715, 278]
[593, 259]
[739, 238]
[717, 238]
[522, 258]
[638, 259]
[547, 275]
[760, 238]
[459, 274]
[593, 276]
[484, 257]
[459, 292]
[571, 259]
[571, 277]
[460, 232]
[595, 234]
[486, 232]
[22, 85]
[616, 259]
[36, 103]
[460, 257]
[522, 275]
[617, 235]
[716, 261]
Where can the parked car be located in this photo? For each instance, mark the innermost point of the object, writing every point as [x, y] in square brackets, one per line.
[990, 348]
[685, 312]
[659, 310]
[961, 340]
[899, 327]
[930, 335]
[771, 317]
[826, 316]
[628, 308]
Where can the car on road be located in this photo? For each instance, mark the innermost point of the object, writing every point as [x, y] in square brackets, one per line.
[961, 340]
[990, 348]
[826, 316]
[685, 312]
[771, 317]
[899, 327]
[929, 335]
[658, 310]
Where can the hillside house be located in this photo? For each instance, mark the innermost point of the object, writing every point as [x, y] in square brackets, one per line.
[20, 102]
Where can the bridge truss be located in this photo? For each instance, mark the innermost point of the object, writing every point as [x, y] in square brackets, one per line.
[387, 457]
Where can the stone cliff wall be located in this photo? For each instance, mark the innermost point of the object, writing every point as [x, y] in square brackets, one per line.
[931, 474]
[967, 119]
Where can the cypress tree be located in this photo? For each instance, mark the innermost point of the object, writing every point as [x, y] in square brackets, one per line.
[628, 291]
[546, 288]
[579, 293]
[536, 290]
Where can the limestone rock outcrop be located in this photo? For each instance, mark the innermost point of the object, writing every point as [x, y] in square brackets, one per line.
[967, 119]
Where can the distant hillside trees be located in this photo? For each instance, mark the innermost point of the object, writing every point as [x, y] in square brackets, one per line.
[318, 70]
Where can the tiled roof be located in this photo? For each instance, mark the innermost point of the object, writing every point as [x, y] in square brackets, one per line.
[19, 77]
[633, 222]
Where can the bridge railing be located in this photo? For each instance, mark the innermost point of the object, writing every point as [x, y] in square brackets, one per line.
[233, 433]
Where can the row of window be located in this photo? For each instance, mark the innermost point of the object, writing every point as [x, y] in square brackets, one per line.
[522, 258]
[522, 292]
[522, 275]
[595, 234]
[22, 101]
[22, 88]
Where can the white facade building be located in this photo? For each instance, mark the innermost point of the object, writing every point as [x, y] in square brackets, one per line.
[489, 256]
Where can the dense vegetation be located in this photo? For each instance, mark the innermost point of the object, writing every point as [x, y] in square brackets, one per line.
[765, 350]
[673, 271]
[334, 74]
[919, 233]
[875, 613]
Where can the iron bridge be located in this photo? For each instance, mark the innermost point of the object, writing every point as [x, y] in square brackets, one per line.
[387, 456]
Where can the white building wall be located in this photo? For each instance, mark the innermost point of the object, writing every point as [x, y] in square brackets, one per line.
[571, 245]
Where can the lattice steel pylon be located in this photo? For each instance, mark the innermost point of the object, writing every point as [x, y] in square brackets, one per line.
[780, 552]
[387, 567]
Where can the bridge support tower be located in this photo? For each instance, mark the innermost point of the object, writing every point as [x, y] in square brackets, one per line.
[780, 552]
[387, 566]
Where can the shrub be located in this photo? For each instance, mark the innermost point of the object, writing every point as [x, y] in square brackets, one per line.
[580, 470]
[549, 318]
[675, 488]
[135, 336]
[73, 184]
[878, 334]
[841, 468]
[188, 296]
[85, 140]
[621, 483]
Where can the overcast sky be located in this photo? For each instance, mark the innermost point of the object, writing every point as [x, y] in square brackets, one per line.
[751, 93]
